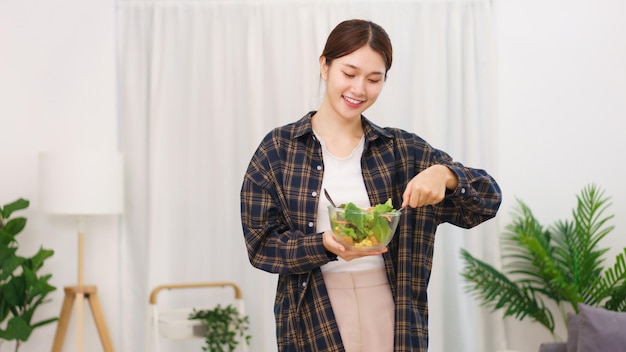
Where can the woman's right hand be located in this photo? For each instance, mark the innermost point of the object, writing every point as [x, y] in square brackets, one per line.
[347, 254]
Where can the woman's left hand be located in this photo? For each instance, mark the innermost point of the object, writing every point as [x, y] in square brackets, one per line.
[347, 254]
[429, 186]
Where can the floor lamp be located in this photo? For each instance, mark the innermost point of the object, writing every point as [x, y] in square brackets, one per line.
[81, 184]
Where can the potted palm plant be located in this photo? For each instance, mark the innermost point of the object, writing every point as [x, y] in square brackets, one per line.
[562, 263]
[22, 288]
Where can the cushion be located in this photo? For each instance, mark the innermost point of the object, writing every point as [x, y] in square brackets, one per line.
[601, 330]
[573, 321]
[553, 347]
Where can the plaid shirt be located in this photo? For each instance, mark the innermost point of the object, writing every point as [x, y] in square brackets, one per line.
[279, 198]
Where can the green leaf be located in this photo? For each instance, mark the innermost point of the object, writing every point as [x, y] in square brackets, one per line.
[4, 308]
[36, 262]
[611, 285]
[42, 287]
[44, 322]
[530, 253]
[17, 329]
[15, 225]
[8, 209]
[15, 292]
[353, 214]
[30, 279]
[497, 292]
[9, 262]
[380, 228]
[384, 207]
[6, 238]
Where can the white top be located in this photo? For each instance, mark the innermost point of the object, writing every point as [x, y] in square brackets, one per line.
[344, 181]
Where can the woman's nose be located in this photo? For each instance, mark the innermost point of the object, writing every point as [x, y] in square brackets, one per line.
[358, 86]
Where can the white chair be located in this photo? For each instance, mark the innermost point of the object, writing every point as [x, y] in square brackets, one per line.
[172, 323]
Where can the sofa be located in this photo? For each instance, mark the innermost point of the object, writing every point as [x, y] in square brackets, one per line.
[593, 329]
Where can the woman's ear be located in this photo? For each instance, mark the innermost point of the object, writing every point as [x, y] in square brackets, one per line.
[323, 68]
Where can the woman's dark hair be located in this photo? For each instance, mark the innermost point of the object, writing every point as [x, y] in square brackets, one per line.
[351, 35]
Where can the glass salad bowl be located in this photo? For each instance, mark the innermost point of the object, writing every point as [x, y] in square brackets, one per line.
[364, 229]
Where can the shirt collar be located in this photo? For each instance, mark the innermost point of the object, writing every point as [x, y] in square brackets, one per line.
[371, 130]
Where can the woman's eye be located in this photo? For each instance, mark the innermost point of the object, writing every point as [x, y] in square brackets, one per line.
[374, 80]
[348, 75]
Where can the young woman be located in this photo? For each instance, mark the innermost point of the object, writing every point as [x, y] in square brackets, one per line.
[329, 297]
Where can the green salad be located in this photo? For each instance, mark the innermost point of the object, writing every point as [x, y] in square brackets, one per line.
[362, 228]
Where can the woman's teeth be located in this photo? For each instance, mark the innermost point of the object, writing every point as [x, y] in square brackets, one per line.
[352, 101]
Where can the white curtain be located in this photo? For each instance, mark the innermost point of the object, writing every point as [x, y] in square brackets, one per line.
[201, 82]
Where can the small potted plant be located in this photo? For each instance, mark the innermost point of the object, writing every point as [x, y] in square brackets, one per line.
[562, 264]
[222, 328]
[22, 289]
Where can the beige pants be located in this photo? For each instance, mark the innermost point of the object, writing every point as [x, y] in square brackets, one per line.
[363, 308]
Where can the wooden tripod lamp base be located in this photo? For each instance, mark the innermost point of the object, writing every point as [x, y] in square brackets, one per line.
[89, 293]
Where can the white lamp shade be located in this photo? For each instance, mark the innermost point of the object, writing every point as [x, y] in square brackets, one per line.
[81, 182]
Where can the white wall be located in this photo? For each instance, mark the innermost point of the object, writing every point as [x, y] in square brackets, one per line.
[562, 102]
[562, 97]
[57, 92]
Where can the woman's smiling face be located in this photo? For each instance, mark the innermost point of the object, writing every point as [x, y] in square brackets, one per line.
[353, 81]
